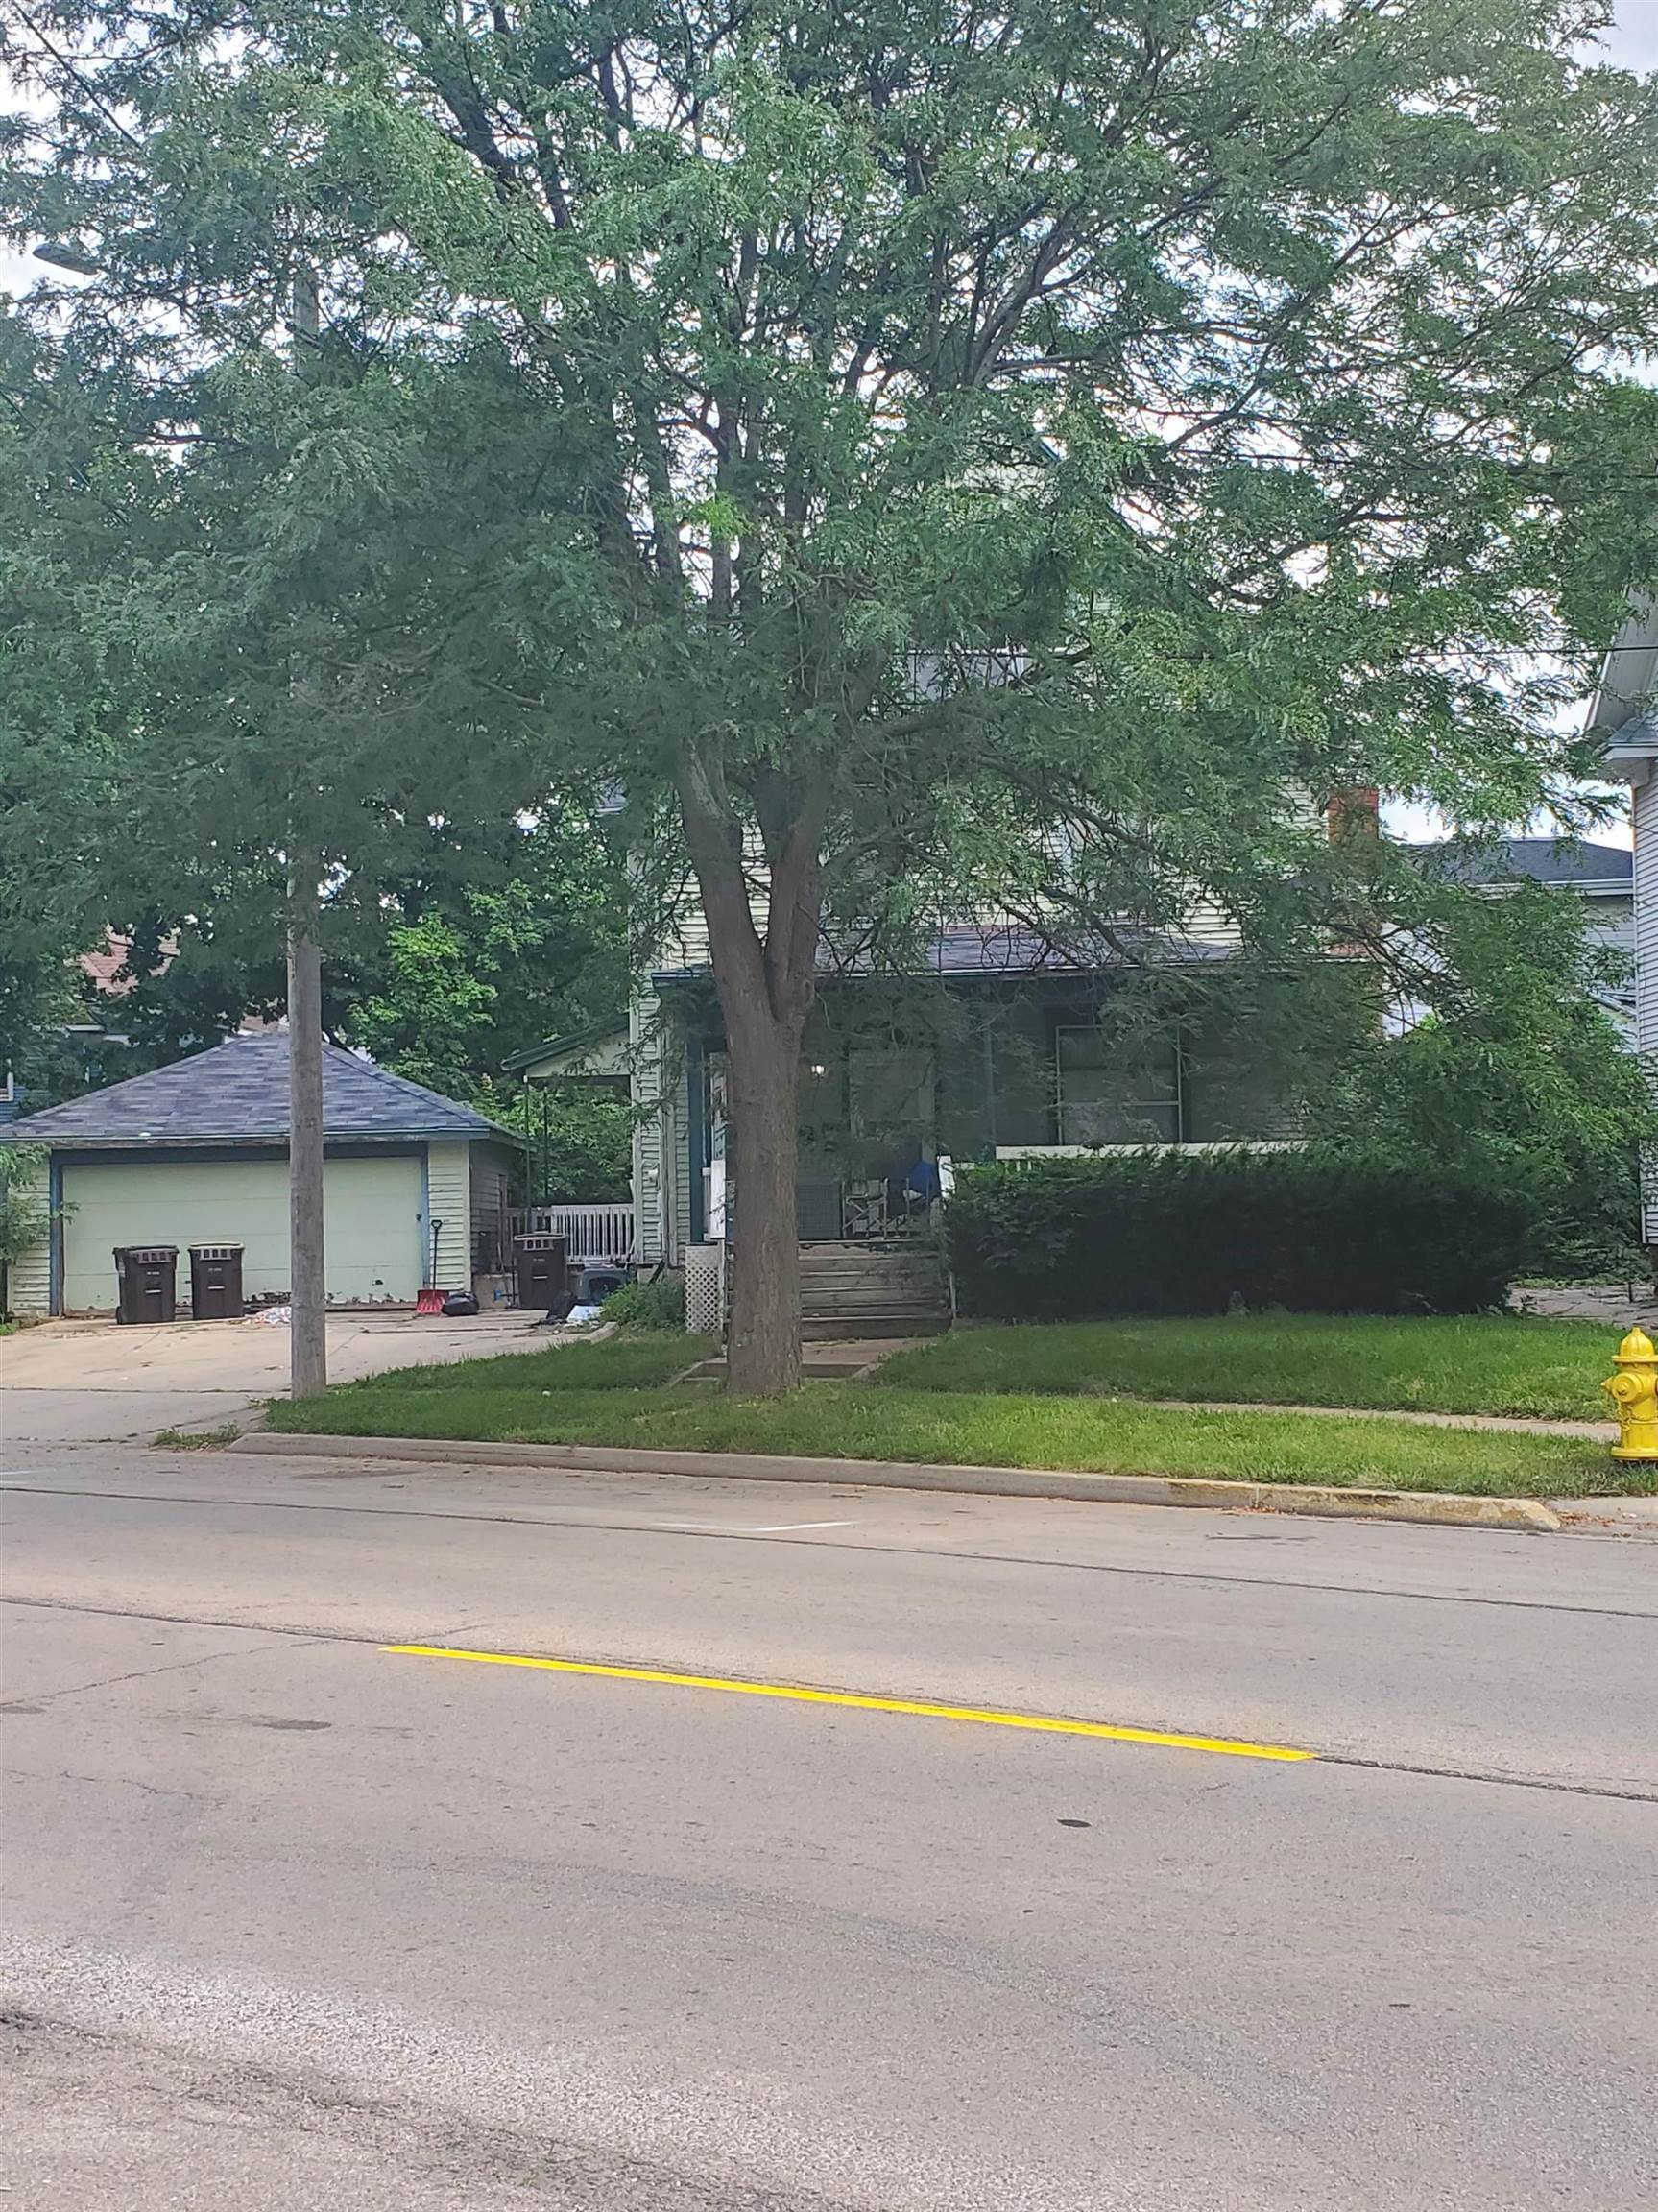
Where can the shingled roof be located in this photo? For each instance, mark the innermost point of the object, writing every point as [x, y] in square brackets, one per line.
[237, 1093]
[1557, 860]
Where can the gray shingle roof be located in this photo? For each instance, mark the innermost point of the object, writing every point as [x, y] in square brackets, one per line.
[1544, 859]
[238, 1094]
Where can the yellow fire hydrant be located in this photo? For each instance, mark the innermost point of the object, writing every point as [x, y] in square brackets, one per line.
[1634, 1390]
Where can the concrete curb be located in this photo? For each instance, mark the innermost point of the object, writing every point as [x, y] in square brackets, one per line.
[1440, 1508]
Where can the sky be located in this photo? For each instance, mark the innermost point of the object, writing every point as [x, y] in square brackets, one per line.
[1632, 41]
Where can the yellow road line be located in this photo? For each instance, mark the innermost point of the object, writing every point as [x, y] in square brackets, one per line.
[1042, 1723]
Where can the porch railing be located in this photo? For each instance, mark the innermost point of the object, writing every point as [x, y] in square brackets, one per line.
[1015, 1154]
[591, 1232]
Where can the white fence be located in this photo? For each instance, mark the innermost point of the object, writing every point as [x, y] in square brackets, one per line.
[589, 1232]
[1024, 1153]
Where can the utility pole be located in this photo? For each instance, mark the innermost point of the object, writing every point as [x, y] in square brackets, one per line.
[308, 1274]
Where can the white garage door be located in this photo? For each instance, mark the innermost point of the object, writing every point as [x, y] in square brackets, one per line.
[374, 1227]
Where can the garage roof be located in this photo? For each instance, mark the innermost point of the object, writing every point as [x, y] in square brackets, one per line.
[237, 1093]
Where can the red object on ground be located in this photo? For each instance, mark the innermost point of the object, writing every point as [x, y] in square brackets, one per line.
[430, 1301]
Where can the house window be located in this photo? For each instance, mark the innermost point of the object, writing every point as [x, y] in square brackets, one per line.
[1113, 1092]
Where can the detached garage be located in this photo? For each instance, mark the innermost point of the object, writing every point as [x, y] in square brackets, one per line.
[196, 1154]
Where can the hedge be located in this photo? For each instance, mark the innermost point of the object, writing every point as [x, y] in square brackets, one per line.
[1195, 1233]
[658, 1303]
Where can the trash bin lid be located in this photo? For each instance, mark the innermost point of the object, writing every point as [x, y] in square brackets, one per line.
[539, 1240]
[146, 1255]
[215, 1251]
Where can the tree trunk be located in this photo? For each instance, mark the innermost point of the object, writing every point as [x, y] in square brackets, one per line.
[763, 1221]
[765, 985]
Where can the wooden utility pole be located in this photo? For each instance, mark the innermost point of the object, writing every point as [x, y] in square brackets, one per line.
[308, 1290]
[307, 1273]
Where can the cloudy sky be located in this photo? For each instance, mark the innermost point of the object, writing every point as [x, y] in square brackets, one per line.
[1635, 41]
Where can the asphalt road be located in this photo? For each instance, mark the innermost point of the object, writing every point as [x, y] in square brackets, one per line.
[294, 1921]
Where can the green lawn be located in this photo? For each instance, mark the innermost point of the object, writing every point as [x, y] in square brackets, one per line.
[1483, 1364]
[615, 1364]
[557, 1397]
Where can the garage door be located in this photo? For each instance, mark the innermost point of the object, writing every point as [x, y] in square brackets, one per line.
[373, 1227]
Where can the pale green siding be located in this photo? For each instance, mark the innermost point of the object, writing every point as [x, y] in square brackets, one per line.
[373, 1222]
[449, 1196]
[29, 1278]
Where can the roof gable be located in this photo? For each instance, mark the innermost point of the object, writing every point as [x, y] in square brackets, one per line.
[237, 1093]
[601, 1049]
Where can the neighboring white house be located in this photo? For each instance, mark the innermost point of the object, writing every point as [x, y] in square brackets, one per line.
[1601, 876]
[1624, 715]
[196, 1153]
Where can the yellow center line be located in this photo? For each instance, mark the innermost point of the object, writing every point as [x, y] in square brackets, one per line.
[1042, 1723]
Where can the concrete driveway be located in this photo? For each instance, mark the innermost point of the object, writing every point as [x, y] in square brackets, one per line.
[93, 1382]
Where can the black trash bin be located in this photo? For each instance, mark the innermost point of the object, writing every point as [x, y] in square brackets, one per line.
[215, 1282]
[543, 1268]
[147, 1281]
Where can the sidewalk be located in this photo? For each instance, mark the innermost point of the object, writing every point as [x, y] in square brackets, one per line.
[1591, 1432]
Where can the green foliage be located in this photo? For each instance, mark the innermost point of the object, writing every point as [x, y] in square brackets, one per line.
[645, 1306]
[581, 1144]
[883, 435]
[23, 1208]
[1226, 387]
[1177, 1233]
[470, 965]
[1513, 1077]
[1503, 1363]
[433, 1004]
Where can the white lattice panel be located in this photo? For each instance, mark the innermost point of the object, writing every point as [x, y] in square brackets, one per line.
[704, 1289]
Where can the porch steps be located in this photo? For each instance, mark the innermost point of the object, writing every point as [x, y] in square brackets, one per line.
[871, 1291]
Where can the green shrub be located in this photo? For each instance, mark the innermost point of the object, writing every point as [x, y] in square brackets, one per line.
[646, 1306]
[1184, 1233]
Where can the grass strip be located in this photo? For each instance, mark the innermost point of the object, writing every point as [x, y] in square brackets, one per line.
[845, 1421]
[1479, 1363]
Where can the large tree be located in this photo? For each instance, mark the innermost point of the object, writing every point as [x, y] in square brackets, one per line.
[929, 453]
